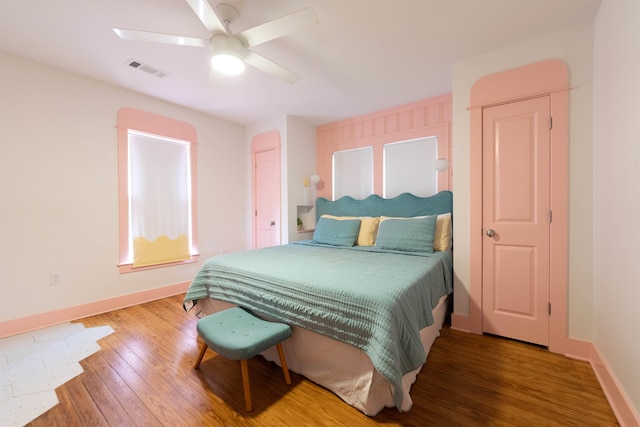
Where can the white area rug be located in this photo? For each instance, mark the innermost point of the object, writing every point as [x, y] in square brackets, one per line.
[33, 364]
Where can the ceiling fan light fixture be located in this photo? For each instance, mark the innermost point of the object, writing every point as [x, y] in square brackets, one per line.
[227, 63]
[227, 55]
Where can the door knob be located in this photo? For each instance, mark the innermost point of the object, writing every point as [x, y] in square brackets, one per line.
[491, 233]
[272, 223]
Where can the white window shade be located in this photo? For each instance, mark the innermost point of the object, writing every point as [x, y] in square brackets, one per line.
[353, 173]
[159, 199]
[409, 167]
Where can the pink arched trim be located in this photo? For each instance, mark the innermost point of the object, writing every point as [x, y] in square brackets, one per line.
[130, 118]
[548, 78]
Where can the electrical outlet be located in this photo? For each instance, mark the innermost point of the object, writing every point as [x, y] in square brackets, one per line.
[55, 278]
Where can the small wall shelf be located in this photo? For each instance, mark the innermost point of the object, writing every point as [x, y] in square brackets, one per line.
[306, 213]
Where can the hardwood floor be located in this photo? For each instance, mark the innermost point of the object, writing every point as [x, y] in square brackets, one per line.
[144, 376]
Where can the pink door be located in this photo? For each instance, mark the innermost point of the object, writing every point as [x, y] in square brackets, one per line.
[267, 198]
[516, 216]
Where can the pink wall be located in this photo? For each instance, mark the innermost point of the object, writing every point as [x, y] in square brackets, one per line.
[430, 117]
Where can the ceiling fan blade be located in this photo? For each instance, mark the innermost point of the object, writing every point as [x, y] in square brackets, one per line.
[146, 36]
[207, 16]
[279, 27]
[270, 67]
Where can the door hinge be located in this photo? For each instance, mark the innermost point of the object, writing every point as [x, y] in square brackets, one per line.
[256, 214]
[550, 217]
[549, 309]
[550, 122]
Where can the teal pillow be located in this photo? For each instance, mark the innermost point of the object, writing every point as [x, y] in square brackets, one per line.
[410, 235]
[336, 232]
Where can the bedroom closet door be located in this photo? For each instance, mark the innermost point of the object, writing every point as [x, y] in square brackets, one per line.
[267, 193]
[516, 217]
[265, 156]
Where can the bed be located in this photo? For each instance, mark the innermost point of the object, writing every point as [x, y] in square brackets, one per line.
[366, 298]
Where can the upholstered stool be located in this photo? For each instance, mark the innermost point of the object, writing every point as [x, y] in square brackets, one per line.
[238, 335]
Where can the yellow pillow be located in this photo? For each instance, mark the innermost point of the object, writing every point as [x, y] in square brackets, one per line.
[368, 228]
[442, 235]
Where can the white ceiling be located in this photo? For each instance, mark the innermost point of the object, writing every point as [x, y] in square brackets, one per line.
[363, 56]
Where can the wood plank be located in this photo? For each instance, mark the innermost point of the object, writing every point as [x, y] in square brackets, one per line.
[127, 398]
[110, 407]
[88, 411]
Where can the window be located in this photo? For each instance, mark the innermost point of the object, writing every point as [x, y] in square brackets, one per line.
[408, 167]
[157, 159]
[353, 173]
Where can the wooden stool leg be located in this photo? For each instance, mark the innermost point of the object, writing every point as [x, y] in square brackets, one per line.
[200, 356]
[245, 382]
[283, 362]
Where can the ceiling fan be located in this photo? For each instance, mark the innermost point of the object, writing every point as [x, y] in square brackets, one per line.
[232, 51]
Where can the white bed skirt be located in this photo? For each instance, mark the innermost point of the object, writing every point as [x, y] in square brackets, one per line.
[339, 367]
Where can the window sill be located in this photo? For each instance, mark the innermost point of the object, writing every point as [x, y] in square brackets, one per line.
[129, 268]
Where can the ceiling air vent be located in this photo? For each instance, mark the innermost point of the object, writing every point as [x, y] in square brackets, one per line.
[146, 68]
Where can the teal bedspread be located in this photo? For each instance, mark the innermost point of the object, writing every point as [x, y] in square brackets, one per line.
[374, 300]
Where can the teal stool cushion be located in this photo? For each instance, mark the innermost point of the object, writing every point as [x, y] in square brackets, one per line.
[237, 335]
